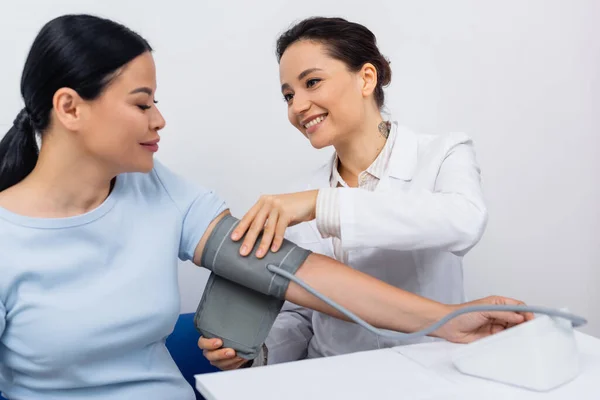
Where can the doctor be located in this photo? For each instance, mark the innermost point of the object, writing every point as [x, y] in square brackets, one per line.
[400, 206]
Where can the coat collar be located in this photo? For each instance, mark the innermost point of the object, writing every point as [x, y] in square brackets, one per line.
[403, 160]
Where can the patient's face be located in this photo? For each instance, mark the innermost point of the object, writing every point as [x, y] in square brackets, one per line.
[122, 124]
[324, 98]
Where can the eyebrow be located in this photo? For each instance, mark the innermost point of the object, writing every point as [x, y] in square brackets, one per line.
[146, 90]
[300, 76]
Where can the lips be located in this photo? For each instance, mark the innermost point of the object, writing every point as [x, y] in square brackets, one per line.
[313, 120]
[312, 124]
[151, 145]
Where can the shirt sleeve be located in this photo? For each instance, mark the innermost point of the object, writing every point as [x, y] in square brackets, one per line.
[328, 213]
[197, 205]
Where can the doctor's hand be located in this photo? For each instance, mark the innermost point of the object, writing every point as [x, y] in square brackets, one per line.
[472, 326]
[272, 215]
[224, 359]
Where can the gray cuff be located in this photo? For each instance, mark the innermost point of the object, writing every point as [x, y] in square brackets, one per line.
[222, 256]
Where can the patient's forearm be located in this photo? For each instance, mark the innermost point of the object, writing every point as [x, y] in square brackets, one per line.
[376, 302]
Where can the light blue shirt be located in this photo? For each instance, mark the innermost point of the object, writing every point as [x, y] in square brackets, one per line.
[87, 302]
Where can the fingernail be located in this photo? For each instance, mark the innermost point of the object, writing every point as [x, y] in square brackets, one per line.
[244, 249]
[235, 236]
[217, 343]
[260, 253]
[228, 353]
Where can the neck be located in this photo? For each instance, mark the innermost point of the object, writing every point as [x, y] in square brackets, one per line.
[65, 182]
[360, 150]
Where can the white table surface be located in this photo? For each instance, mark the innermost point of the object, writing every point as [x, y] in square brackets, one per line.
[420, 372]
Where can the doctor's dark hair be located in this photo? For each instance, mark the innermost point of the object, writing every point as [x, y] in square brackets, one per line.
[349, 42]
[81, 52]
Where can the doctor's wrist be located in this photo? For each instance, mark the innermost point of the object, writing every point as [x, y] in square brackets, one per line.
[446, 331]
[433, 315]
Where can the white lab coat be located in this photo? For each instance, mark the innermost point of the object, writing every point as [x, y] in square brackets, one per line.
[412, 232]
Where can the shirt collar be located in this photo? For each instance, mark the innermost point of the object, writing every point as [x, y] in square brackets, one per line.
[378, 167]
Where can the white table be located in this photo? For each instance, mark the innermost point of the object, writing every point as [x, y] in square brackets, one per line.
[420, 372]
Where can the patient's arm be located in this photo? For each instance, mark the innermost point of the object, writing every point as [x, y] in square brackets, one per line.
[378, 303]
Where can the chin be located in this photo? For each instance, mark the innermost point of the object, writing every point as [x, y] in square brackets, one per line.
[143, 166]
[147, 166]
[319, 143]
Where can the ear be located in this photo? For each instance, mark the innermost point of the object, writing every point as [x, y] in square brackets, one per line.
[368, 74]
[68, 107]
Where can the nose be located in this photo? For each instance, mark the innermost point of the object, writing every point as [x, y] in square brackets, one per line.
[300, 104]
[157, 121]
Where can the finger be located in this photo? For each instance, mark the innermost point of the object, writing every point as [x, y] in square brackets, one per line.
[219, 355]
[504, 317]
[244, 223]
[268, 233]
[282, 225]
[508, 326]
[495, 328]
[528, 316]
[209, 344]
[258, 224]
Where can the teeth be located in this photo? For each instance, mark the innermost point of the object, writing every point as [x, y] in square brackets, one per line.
[314, 121]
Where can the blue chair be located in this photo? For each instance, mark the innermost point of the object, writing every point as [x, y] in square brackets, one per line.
[183, 346]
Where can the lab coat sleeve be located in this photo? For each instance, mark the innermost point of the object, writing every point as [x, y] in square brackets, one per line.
[450, 217]
[289, 336]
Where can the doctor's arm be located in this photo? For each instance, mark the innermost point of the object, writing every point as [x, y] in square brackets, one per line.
[450, 217]
[383, 305]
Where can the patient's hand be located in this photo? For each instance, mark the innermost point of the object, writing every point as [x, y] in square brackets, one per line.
[224, 359]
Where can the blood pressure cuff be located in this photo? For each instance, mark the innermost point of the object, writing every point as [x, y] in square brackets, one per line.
[242, 297]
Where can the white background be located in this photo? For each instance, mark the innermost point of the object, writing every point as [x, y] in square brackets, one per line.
[520, 76]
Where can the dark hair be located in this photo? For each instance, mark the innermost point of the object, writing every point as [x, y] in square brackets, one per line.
[349, 42]
[81, 52]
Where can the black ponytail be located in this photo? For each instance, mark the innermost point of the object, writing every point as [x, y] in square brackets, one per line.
[81, 52]
[18, 151]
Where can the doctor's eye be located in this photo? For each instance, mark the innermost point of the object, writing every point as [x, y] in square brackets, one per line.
[288, 97]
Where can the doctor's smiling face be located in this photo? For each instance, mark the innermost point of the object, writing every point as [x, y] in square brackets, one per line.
[332, 76]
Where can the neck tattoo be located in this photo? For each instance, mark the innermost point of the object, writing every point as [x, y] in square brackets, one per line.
[384, 128]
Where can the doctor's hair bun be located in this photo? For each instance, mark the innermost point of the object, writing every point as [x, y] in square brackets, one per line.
[349, 42]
